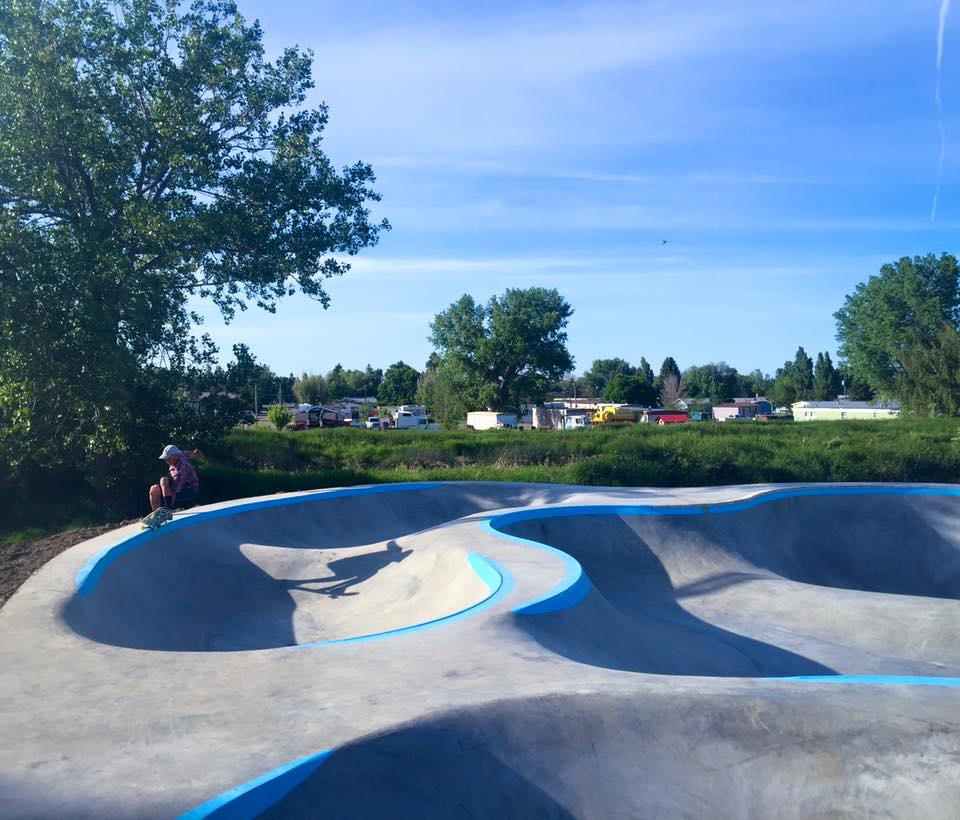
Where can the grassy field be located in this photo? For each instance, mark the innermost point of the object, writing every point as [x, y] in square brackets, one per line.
[260, 460]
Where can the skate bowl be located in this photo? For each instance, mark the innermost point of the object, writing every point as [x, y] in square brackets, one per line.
[497, 650]
[327, 569]
[664, 756]
[696, 590]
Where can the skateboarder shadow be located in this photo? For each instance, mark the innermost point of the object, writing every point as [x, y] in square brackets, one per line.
[350, 571]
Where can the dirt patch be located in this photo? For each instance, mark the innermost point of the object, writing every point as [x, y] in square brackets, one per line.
[18, 561]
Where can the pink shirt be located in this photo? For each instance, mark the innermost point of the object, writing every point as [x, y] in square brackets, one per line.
[183, 473]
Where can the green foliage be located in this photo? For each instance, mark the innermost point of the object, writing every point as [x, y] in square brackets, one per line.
[929, 384]
[795, 380]
[668, 368]
[251, 380]
[904, 307]
[826, 381]
[645, 371]
[624, 389]
[399, 385]
[149, 153]
[632, 455]
[259, 460]
[513, 348]
[716, 382]
[443, 389]
[595, 380]
[310, 388]
[341, 382]
[279, 416]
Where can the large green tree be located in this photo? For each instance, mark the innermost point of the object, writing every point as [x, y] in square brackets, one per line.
[310, 388]
[794, 381]
[826, 382]
[149, 153]
[624, 389]
[399, 385]
[440, 388]
[929, 383]
[510, 349]
[602, 371]
[716, 382]
[888, 318]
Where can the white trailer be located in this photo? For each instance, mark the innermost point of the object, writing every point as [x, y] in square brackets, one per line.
[405, 420]
[490, 420]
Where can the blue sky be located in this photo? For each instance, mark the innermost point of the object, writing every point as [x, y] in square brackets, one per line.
[784, 150]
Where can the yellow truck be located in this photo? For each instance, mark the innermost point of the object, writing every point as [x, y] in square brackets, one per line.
[616, 414]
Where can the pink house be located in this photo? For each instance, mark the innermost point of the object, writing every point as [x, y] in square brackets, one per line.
[742, 409]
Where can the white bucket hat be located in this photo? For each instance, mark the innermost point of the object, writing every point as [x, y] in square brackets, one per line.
[168, 451]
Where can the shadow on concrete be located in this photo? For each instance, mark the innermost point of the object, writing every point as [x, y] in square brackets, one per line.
[350, 571]
[432, 770]
[631, 620]
[192, 589]
[668, 752]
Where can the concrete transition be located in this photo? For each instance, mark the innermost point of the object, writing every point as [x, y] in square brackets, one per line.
[497, 650]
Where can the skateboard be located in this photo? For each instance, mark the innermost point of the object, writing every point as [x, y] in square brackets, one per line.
[156, 518]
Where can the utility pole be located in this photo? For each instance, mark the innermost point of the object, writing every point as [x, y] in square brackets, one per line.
[256, 406]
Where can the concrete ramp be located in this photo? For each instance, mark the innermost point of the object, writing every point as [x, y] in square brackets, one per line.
[493, 650]
[288, 575]
[601, 755]
[807, 585]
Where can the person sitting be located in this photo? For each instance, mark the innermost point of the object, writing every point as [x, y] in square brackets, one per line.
[179, 489]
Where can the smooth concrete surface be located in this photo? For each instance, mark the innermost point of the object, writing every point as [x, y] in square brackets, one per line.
[364, 653]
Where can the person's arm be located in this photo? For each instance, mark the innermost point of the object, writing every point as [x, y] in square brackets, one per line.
[196, 454]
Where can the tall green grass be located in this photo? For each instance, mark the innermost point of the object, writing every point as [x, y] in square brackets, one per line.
[258, 461]
[261, 461]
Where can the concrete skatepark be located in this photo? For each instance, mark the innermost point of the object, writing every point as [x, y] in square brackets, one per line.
[497, 650]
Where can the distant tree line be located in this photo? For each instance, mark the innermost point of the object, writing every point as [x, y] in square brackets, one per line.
[898, 332]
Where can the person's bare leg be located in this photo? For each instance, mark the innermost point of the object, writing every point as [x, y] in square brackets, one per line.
[166, 488]
[156, 497]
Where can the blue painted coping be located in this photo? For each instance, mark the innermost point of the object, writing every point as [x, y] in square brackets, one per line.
[254, 796]
[575, 584]
[568, 593]
[901, 680]
[92, 571]
[497, 579]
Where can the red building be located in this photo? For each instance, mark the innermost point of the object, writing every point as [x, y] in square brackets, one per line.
[665, 415]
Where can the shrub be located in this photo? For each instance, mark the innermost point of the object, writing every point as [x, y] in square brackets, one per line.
[279, 416]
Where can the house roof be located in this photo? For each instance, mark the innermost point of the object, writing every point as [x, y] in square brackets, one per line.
[847, 405]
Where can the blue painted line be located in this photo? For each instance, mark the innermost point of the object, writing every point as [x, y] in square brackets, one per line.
[566, 594]
[92, 571]
[716, 508]
[255, 796]
[497, 579]
[901, 680]
[575, 584]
